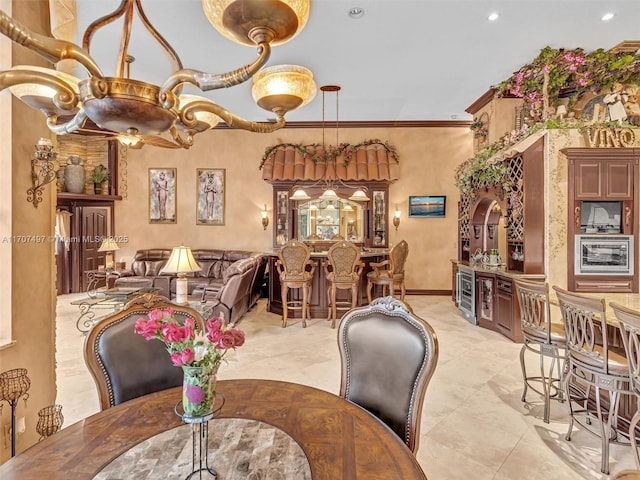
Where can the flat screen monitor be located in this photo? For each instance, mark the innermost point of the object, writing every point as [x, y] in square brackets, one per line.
[427, 206]
[600, 216]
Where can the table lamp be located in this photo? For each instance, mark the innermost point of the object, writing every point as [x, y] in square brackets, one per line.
[108, 245]
[181, 262]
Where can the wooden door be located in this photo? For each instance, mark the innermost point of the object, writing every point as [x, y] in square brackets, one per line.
[95, 227]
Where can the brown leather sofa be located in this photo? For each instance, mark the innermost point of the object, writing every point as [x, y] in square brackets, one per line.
[230, 280]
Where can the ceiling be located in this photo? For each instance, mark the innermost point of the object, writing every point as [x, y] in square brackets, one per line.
[403, 60]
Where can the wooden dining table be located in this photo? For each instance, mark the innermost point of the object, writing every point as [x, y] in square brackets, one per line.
[340, 439]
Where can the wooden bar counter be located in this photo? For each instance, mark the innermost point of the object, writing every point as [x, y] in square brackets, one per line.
[319, 303]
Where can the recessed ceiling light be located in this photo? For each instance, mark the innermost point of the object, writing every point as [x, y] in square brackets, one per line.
[493, 16]
[607, 16]
[356, 12]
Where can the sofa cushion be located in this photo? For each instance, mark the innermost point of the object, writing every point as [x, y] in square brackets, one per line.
[238, 268]
[152, 268]
[138, 268]
[206, 266]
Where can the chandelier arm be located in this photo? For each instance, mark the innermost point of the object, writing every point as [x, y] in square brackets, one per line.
[124, 41]
[175, 134]
[187, 117]
[213, 81]
[65, 98]
[158, 36]
[49, 48]
[101, 22]
[76, 123]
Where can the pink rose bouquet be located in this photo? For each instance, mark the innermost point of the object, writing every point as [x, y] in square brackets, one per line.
[198, 353]
[186, 345]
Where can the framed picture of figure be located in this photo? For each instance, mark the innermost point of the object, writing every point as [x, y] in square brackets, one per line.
[210, 188]
[162, 195]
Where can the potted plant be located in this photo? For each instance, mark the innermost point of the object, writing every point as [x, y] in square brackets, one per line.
[98, 176]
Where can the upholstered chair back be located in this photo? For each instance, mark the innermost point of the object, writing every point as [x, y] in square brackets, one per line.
[123, 364]
[398, 257]
[388, 356]
[294, 258]
[344, 258]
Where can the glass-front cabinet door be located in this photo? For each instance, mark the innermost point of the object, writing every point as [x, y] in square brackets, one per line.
[281, 213]
[319, 220]
[330, 220]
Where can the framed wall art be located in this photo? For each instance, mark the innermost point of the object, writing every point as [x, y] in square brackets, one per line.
[210, 185]
[162, 195]
[427, 206]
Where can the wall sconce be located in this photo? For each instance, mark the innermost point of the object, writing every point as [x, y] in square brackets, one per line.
[265, 217]
[396, 218]
[42, 170]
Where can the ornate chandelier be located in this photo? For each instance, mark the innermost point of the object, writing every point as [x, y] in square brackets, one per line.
[133, 108]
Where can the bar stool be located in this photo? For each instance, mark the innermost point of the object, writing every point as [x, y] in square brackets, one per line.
[343, 268]
[542, 337]
[295, 271]
[391, 277]
[592, 363]
[629, 322]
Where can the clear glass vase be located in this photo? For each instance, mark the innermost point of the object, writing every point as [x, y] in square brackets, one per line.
[199, 390]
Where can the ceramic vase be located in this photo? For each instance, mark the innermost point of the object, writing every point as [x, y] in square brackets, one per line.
[199, 390]
[74, 175]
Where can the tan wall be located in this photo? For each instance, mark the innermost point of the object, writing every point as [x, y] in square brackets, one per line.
[428, 158]
[33, 293]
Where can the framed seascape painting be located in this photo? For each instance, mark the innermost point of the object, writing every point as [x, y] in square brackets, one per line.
[427, 206]
[162, 195]
[210, 185]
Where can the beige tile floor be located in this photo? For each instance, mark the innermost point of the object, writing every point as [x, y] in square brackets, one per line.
[474, 425]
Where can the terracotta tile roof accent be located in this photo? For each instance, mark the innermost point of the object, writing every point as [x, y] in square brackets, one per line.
[370, 163]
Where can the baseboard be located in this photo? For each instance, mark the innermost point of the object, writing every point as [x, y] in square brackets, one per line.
[429, 292]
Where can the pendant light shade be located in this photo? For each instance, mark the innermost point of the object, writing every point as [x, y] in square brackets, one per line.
[359, 196]
[300, 195]
[329, 194]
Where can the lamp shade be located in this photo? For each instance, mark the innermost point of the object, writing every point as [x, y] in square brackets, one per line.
[299, 195]
[108, 245]
[40, 93]
[181, 261]
[239, 19]
[359, 196]
[204, 119]
[329, 194]
[282, 88]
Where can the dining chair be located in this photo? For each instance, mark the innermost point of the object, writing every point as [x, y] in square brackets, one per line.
[343, 269]
[629, 323]
[546, 339]
[593, 364]
[295, 271]
[388, 356]
[122, 363]
[393, 275]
